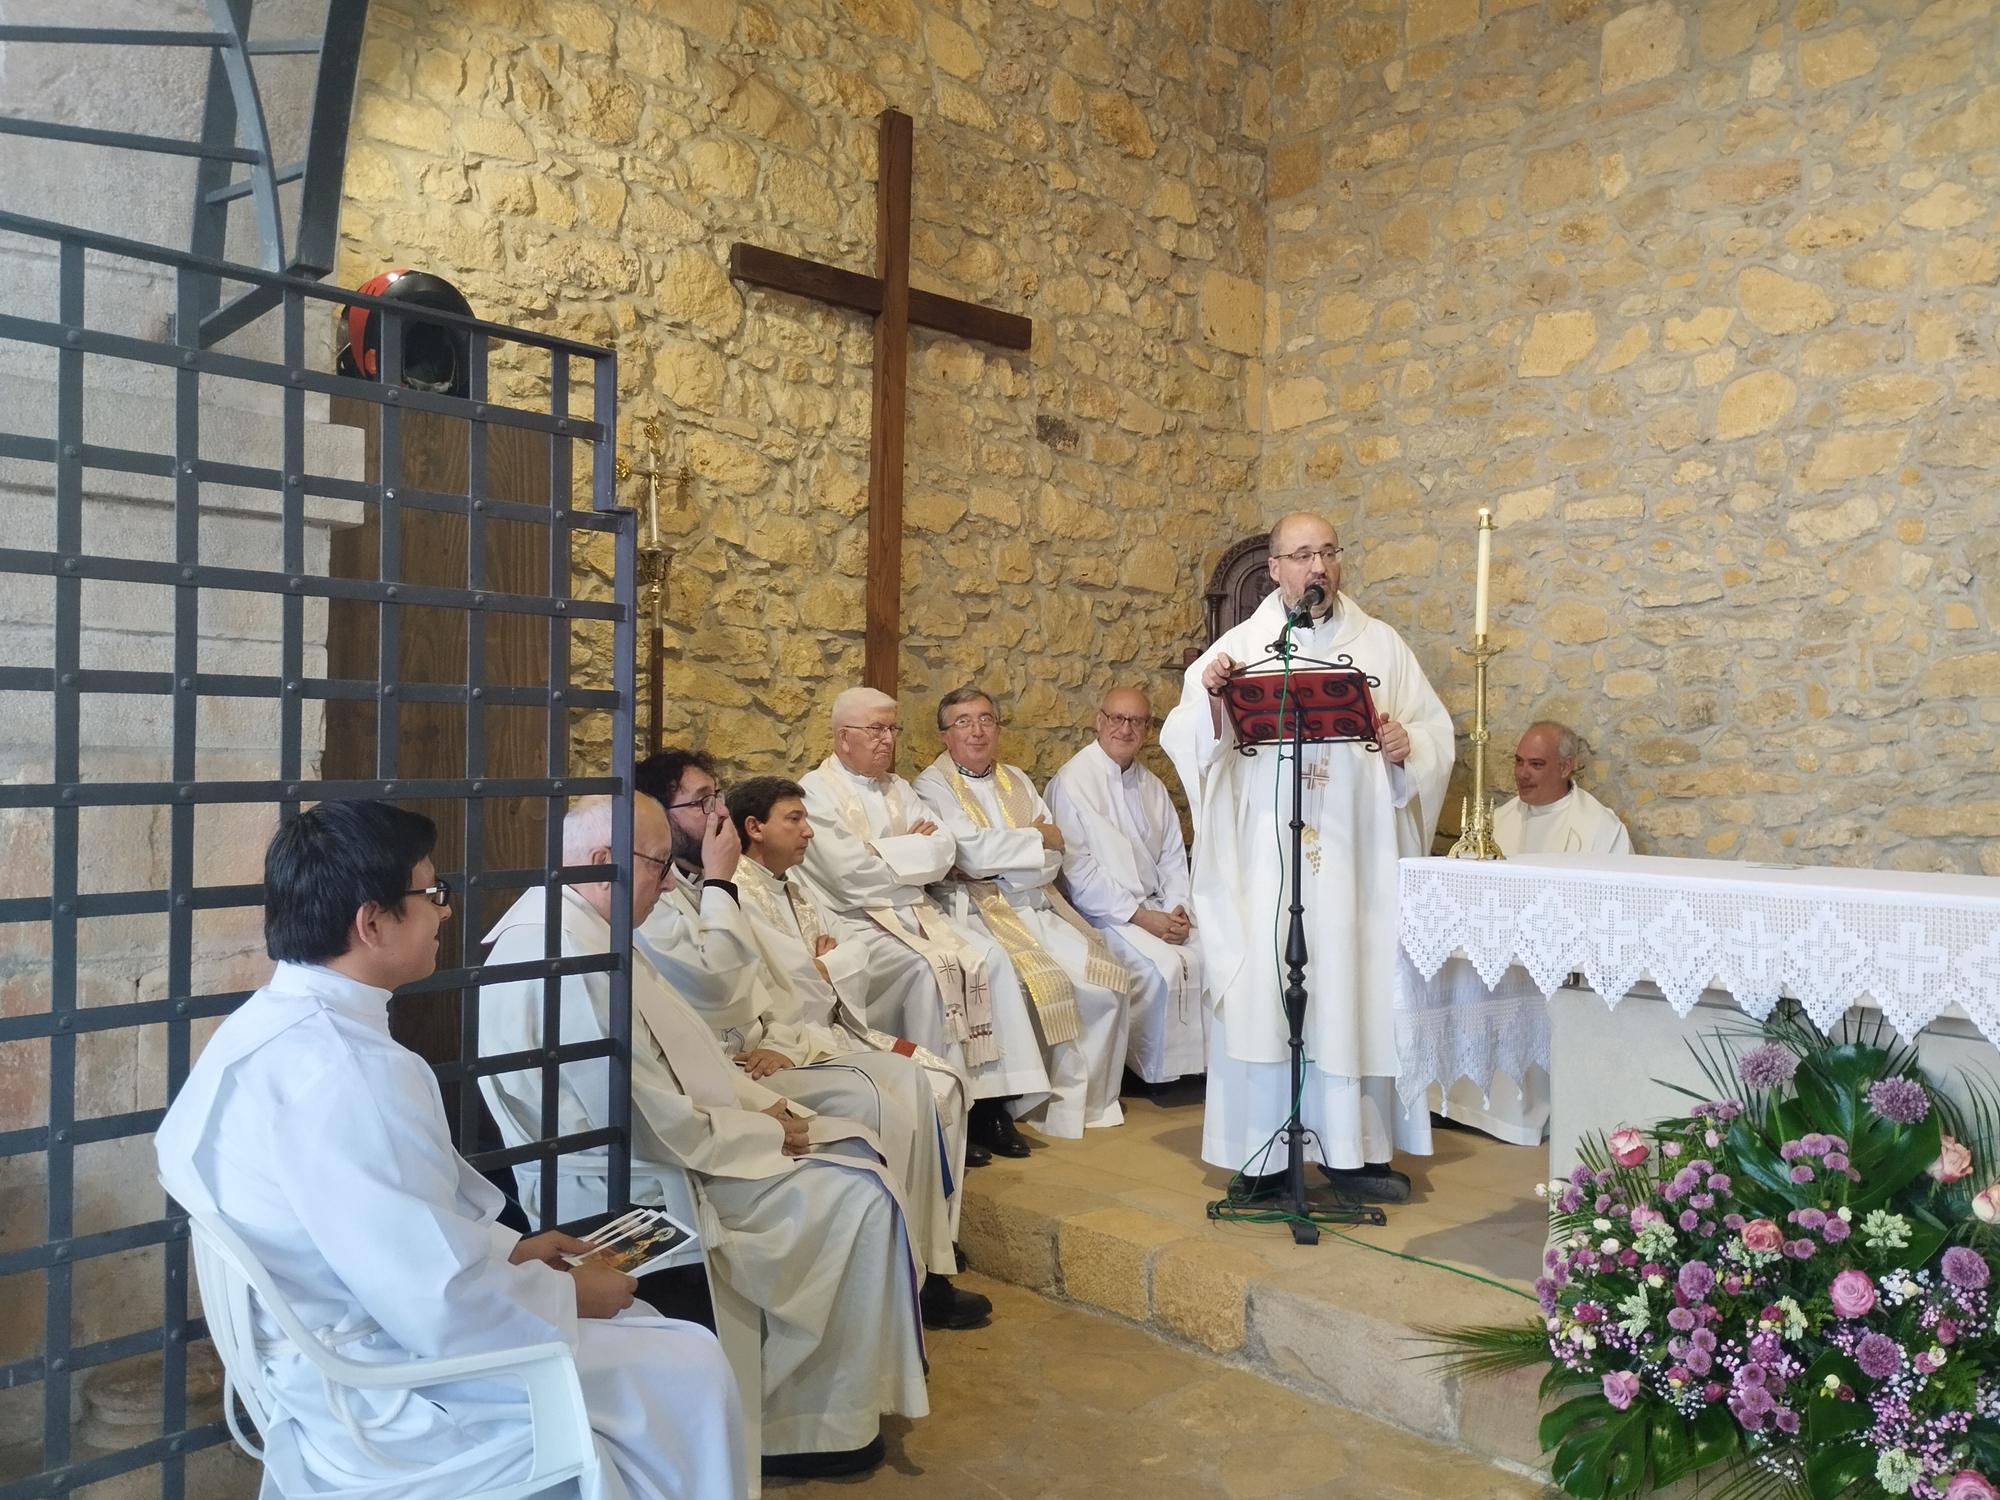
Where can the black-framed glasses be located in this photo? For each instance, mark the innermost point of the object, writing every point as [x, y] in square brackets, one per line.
[438, 893]
[1129, 721]
[653, 859]
[967, 721]
[1304, 556]
[707, 803]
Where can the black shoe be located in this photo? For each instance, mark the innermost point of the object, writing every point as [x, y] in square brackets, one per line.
[1248, 1188]
[976, 1155]
[958, 1254]
[825, 1465]
[994, 1129]
[945, 1306]
[1378, 1182]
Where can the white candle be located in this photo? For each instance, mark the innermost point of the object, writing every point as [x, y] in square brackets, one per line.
[652, 508]
[1485, 565]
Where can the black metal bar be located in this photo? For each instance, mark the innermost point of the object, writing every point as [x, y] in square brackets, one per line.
[624, 660]
[555, 765]
[112, 36]
[472, 924]
[239, 312]
[72, 1477]
[244, 188]
[125, 140]
[316, 228]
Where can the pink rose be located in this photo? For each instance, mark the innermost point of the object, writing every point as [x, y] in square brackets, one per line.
[1986, 1204]
[1763, 1236]
[1628, 1147]
[1621, 1387]
[1853, 1294]
[1970, 1484]
[1954, 1163]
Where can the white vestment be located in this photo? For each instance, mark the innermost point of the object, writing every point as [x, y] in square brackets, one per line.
[1084, 1073]
[1575, 823]
[1122, 850]
[697, 941]
[842, 1068]
[323, 1144]
[817, 1242]
[1362, 815]
[869, 873]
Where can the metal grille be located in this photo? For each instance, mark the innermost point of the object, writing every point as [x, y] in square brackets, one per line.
[62, 786]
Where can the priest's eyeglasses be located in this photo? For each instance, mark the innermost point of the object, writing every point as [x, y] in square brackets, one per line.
[1304, 556]
[708, 802]
[439, 894]
[1130, 721]
[653, 859]
[966, 721]
[875, 731]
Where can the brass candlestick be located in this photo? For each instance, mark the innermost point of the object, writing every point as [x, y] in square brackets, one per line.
[653, 554]
[1476, 839]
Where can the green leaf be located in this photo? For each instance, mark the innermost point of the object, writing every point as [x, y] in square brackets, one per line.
[1828, 1418]
[1758, 1161]
[1892, 1163]
[1558, 1424]
[1672, 1444]
[1830, 1471]
[1716, 1436]
[1608, 1460]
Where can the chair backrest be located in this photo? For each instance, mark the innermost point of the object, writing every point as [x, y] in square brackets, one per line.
[228, 1274]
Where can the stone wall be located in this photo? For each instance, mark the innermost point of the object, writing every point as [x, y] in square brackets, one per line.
[1701, 297]
[584, 166]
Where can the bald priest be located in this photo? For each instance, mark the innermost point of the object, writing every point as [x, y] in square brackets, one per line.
[1364, 809]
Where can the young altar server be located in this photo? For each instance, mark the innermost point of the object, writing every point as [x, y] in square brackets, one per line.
[1125, 868]
[799, 1216]
[323, 1144]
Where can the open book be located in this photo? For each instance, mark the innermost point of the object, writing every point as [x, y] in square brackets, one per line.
[636, 1243]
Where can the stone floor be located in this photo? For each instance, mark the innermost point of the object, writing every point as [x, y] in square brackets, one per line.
[1049, 1402]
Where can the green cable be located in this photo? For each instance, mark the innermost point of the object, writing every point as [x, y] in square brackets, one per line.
[1279, 1216]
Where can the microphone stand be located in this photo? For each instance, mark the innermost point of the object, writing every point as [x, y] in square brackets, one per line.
[1298, 1210]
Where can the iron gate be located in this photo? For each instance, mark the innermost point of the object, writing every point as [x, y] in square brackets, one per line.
[56, 690]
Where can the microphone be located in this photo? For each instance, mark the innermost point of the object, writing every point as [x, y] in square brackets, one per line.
[1309, 601]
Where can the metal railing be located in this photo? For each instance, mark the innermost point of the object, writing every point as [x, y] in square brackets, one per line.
[67, 461]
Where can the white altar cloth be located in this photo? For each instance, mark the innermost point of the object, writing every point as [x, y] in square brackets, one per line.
[1485, 942]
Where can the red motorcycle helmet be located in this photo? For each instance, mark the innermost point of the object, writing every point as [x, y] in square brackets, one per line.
[436, 356]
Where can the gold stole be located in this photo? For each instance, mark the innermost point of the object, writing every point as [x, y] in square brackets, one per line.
[1047, 982]
[954, 964]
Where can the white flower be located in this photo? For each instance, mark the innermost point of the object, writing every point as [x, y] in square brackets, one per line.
[1600, 1225]
[1656, 1280]
[1846, 1214]
[1609, 1247]
[1541, 1190]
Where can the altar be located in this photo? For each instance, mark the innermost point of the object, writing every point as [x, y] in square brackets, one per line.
[1602, 970]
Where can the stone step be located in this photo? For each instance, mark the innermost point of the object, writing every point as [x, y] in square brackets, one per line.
[1336, 1322]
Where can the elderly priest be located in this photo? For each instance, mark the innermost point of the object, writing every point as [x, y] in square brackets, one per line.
[322, 1143]
[1364, 809]
[841, 1341]
[1126, 869]
[1550, 813]
[940, 983]
[1009, 854]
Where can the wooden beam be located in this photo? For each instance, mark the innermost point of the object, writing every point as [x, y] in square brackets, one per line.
[850, 289]
[883, 638]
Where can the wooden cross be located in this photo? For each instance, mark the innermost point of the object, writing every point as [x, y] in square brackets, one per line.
[895, 305]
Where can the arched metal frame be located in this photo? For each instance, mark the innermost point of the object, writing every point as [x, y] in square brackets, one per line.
[235, 132]
[1238, 585]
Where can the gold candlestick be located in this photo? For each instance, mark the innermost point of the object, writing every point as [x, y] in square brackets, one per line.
[1476, 839]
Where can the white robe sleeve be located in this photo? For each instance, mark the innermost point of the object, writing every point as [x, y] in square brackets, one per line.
[1016, 857]
[711, 962]
[373, 1180]
[855, 876]
[1091, 891]
[1172, 857]
[1412, 703]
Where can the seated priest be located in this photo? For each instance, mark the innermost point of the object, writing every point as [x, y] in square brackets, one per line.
[1009, 853]
[322, 1143]
[695, 936]
[1125, 867]
[806, 1035]
[842, 1345]
[1551, 814]
[943, 984]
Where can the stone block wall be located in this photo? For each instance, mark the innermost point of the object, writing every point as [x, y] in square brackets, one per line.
[1701, 298]
[584, 165]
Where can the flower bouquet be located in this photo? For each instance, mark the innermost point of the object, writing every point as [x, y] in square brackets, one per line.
[1786, 1292]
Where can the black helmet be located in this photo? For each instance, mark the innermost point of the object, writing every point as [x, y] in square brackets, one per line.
[436, 357]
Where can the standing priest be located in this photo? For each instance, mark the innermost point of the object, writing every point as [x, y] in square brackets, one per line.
[1126, 868]
[1363, 811]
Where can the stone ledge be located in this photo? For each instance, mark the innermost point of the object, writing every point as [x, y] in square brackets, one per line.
[1338, 1330]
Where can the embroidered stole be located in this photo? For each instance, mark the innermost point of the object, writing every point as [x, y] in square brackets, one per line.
[1047, 982]
[954, 963]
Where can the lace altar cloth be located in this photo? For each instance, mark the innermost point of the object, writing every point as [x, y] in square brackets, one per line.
[1485, 943]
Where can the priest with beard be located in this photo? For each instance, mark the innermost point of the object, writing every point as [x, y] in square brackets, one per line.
[937, 981]
[1126, 868]
[1364, 810]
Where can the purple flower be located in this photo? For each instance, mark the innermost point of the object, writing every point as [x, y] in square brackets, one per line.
[1786, 1419]
[1701, 1200]
[1836, 1161]
[1809, 1218]
[1695, 1280]
[1718, 1182]
[1815, 1144]
[1688, 1219]
[1835, 1231]
[1698, 1361]
[1791, 1151]
[1966, 1269]
[1802, 1173]
[1679, 1319]
[1852, 1294]
[1878, 1356]
[1620, 1388]
[1766, 1067]
[1701, 1339]
[1901, 1100]
[1801, 1249]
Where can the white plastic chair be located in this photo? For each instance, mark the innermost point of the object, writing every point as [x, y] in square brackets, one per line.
[230, 1275]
